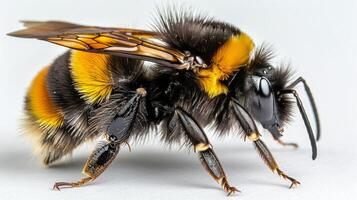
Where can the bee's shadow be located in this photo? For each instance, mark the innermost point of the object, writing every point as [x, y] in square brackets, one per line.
[180, 169]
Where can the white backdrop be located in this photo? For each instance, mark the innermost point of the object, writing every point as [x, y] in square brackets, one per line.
[318, 38]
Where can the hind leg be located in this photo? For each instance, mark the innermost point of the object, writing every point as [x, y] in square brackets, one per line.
[97, 162]
[118, 132]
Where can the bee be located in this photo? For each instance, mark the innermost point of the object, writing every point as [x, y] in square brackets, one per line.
[189, 72]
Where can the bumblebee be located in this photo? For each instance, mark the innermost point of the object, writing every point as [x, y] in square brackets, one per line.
[189, 72]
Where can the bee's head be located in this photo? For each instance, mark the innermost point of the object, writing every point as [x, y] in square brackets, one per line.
[261, 90]
[265, 92]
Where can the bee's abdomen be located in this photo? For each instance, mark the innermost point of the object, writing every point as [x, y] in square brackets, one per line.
[57, 109]
[92, 76]
[61, 85]
[62, 97]
[39, 104]
[45, 119]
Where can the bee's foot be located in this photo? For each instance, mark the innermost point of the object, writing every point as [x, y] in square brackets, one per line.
[59, 185]
[286, 144]
[231, 190]
[294, 183]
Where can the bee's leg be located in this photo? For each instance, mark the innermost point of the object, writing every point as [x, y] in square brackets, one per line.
[285, 144]
[204, 149]
[268, 158]
[251, 131]
[118, 132]
[279, 141]
[98, 161]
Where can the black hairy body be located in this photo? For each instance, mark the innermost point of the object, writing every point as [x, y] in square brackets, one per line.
[202, 72]
[166, 88]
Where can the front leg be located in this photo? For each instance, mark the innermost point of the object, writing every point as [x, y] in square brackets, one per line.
[281, 142]
[268, 159]
[202, 145]
[251, 131]
[287, 144]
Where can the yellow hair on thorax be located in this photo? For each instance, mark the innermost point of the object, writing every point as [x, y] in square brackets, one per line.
[40, 104]
[92, 76]
[232, 55]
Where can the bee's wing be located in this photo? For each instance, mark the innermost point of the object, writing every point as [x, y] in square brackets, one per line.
[131, 43]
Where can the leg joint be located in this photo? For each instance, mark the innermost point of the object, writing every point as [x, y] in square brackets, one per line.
[254, 136]
[141, 91]
[201, 147]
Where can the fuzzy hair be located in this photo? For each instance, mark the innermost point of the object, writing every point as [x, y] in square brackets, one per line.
[279, 78]
[186, 30]
[166, 89]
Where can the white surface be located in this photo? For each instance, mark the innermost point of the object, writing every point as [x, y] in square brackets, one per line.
[317, 37]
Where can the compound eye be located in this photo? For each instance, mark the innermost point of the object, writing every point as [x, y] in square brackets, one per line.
[264, 87]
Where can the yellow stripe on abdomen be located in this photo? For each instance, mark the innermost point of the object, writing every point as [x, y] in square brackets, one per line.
[40, 104]
[91, 75]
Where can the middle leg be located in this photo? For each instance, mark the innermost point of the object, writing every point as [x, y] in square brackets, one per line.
[204, 149]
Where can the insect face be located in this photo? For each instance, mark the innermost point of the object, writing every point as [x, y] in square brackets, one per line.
[261, 88]
[269, 95]
[264, 105]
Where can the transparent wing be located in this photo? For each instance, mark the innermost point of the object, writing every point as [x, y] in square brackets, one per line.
[131, 43]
